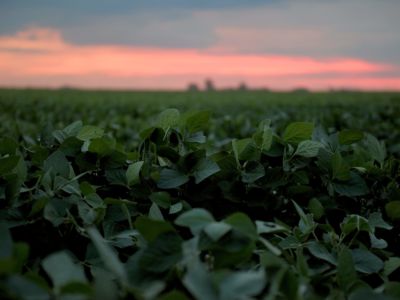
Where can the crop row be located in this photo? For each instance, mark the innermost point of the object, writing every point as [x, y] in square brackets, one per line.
[294, 211]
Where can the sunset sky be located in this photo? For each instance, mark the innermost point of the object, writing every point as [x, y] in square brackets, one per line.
[160, 44]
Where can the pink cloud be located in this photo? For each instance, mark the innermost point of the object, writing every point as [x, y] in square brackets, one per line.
[41, 57]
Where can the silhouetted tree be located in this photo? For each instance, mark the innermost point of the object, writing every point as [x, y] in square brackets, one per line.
[242, 86]
[209, 85]
[192, 87]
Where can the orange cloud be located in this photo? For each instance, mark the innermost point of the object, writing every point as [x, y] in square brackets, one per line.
[41, 57]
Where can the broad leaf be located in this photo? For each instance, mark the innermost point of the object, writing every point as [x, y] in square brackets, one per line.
[319, 251]
[340, 169]
[308, 148]
[132, 173]
[108, 255]
[252, 172]
[242, 285]
[150, 228]
[169, 118]
[245, 149]
[197, 121]
[376, 149]
[89, 132]
[162, 253]
[216, 230]
[348, 137]
[204, 169]
[393, 210]
[391, 265]
[62, 269]
[356, 186]
[355, 223]
[366, 262]
[196, 219]
[199, 283]
[7, 164]
[243, 224]
[297, 132]
[6, 243]
[170, 179]
[346, 273]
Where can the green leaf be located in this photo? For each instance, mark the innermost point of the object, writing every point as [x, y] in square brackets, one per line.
[298, 131]
[197, 137]
[169, 118]
[349, 136]
[375, 220]
[391, 265]
[7, 164]
[242, 223]
[173, 295]
[62, 269]
[393, 210]
[242, 285]
[204, 169]
[376, 149]
[102, 146]
[346, 272]
[273, 249]
[245, 149]
[392, 289]
[252, 172]
[266, 139]
[58, 164]
[86, 213]
[216, 230]
[89, 132]
[55, 211]
[162, 253]
[316, 208]
[269, 227]
[170, 179]
[6, 243]
[77, 288]
[263, 137]
[364, 293]
[132, 173]
[308, 148]
[306, 223]
[354, 187]
[162, 199]
[73, 128]
[197, 121]
[95, 201]
[108, 255]
[21, 255]
[301, 263]
[355, 222]
[26, 289]
[340, 169]
[104, 285]
[150, 228]
[8, 146]
[319, 251]
[175, 208]
[198, 282]
[377, 243]
[195, 219]
[155, 213]
[291, 285]
[366, 262]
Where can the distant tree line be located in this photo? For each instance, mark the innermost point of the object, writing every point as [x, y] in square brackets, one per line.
[210, 86]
